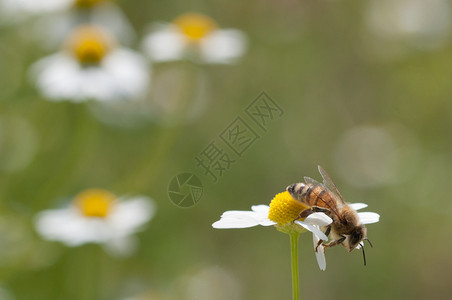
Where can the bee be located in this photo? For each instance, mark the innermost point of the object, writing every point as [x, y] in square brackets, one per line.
[346, 228]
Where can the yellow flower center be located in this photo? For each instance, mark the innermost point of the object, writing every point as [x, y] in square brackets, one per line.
[195, 26]
[284, 209]
[89, 44]
[95, 202]
[86, 3]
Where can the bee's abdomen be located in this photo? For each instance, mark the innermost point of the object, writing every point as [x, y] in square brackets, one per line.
[309, 194]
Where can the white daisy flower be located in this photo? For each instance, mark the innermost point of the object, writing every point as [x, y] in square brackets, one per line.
[194, 36]
[282, 212]
[25, 8]
[91, 66]
[103, 13]
[97, 216]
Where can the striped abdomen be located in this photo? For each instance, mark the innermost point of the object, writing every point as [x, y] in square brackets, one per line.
[313, 195]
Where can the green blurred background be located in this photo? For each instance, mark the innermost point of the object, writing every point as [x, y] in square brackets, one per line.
[365, 94]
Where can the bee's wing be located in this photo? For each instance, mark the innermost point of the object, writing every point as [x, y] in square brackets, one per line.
[329, 184]
[314, 182]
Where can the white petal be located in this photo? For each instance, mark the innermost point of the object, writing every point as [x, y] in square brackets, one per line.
[261, 215]
[314, 229]
[244, 219]
[164, 43]
[368, 217]
[267, 222]
[60, 77]
[123, 75]
[223, 46]
[320, 253]
[71, 228]
[109, 15]
[226, 223]
[129, 74]
[33, 6]
[59, 25]
[357, 206]
[95, 83]
[319, 219]
[130, 214]
[361, 244]
[56, 76]
[261, 208]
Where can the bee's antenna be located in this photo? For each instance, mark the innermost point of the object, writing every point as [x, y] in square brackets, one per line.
[364, 254]
[369, 242]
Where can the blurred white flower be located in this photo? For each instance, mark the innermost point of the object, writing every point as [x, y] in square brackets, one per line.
[24, 8]
[92, 66]
[103, 13]
[97, 216]
[281, 213]
[194, 36]
[425, 24]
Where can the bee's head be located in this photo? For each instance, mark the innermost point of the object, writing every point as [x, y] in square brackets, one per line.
[356, 236]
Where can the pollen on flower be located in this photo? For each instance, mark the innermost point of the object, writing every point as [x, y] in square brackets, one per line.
[95, 202]
[89, 44]
[86, 3]
[284, 209]
[195, 26]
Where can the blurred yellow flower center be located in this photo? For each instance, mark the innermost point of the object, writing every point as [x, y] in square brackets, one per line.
[284, 209]
[89, 44]
[86, 3]
[95, 202]
[195, 26]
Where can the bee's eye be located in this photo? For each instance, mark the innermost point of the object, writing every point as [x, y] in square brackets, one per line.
[356, 236]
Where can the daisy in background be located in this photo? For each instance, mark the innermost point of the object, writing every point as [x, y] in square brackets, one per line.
[91, 65]
[33, 7]
[104, 13]
[59, 16]
[196, 37]
[17, 10]
[97, 216]
[395, 26]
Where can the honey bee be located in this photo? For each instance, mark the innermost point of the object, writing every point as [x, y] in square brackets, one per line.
[346, 228]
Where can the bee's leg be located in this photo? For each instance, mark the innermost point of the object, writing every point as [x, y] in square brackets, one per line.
[304, 213]
[334, 243]
[326, 211]
[327, 232]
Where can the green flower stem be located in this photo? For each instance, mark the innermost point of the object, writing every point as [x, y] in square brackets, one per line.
[59, 175]
[294, 256]
[91, 272]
